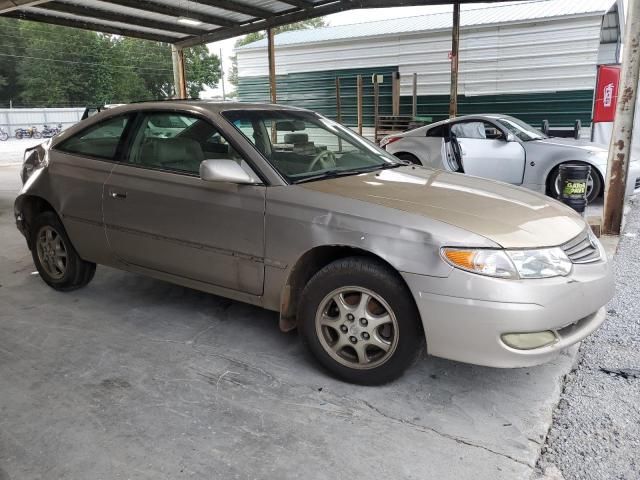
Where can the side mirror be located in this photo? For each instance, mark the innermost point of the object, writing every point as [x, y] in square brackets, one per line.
[510, 137]
[224, 171]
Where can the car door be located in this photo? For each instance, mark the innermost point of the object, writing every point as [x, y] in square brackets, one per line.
[79, 167]
[160, 215]
[486, 151]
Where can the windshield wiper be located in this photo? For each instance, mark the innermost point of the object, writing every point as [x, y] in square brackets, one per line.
[342, 173]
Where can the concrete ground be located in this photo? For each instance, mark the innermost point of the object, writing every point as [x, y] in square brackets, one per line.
[134, 378]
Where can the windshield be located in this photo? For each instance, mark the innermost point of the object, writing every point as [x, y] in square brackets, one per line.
[304, 146]
[520, 129]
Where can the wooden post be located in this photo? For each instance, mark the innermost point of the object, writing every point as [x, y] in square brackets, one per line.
[338, 110]
[395, 94]
[620, 145]
[455, 39]
[179, 76]
[359, 100]
[414, 105]
[272, 66]
[376, 93]
[338, 102]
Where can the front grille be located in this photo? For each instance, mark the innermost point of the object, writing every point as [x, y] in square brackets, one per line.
[637, 183]
[581, 249]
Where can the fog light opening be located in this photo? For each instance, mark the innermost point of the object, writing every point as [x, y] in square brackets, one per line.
[529, 341]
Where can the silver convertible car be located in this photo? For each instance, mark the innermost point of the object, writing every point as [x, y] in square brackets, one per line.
[283, 208]
[504, 148]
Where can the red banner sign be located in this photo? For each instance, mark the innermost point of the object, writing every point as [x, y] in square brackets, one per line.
[606, 93]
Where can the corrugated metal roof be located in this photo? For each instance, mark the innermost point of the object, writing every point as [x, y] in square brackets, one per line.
[469, 17]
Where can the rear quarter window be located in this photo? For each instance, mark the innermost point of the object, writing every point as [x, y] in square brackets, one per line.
[100, 140]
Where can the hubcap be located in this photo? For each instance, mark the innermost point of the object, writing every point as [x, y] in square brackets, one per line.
[52, 252]
[357, 328]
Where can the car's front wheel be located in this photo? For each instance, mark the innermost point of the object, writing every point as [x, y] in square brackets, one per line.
[58, 263]
[359, 321]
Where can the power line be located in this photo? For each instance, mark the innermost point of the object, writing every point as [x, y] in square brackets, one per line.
[87, 63]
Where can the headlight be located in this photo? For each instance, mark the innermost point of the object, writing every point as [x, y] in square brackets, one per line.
[541, 263]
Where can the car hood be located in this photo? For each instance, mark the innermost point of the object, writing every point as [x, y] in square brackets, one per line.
[509, 216]
[572, 143]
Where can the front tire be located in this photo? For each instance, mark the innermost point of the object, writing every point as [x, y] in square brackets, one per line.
[409, 157]
[58, 263]
[359, 321]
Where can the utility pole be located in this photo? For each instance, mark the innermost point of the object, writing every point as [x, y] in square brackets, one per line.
[224, 96]
[620, 146]
[455, 40]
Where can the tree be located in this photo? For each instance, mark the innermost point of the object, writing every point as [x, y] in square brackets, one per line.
[201, 68]
[47, 65]
[255, 36]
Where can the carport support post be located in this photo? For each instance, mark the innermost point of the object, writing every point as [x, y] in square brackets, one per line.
[620, 145]
[455, 40]
[272, 66]
[179, 78]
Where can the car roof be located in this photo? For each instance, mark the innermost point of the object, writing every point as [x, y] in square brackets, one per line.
[213, 106]
[481, 116]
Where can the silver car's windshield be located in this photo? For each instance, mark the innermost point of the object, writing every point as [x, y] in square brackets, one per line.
[520, 129]
[304, 146]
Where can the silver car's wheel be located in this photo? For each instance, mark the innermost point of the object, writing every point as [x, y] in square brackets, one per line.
[52, 252]
[357, 328]
[359, 320]
[58, 263]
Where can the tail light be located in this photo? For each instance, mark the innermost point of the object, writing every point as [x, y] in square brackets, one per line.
[388, 140]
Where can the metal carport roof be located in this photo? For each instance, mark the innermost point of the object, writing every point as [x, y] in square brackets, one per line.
[186, 23]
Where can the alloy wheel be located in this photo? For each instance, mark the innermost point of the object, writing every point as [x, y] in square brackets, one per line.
[357, 327]
[52, 252]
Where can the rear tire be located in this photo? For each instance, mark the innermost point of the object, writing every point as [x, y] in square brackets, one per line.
[4, 136]
[409, 158]
[58, 263]
[360, 322]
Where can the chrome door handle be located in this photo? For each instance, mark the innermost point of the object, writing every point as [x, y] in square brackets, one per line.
[118, 195]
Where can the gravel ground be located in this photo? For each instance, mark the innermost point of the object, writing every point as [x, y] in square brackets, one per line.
[596, 426]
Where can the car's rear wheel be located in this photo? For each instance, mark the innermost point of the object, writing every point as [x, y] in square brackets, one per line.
[408, 157]
[594, 184]
[359, 321]
[58, 263]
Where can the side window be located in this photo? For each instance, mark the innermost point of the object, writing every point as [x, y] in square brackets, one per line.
[178, 142]
[438, 131]
[100, 140]
[477, 130]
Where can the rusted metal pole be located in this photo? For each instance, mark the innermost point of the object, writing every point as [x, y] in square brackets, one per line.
[179, 76]
[272, 66]
[414, 104]
[455, 40]
[620, 145]
[359, 102]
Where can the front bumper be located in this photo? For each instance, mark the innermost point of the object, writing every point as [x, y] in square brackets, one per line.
[464, 315]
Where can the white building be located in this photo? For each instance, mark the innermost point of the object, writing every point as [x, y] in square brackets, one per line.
[535, 60]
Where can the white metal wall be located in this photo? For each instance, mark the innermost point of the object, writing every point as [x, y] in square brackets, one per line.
[12, 118]
[547, 55]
